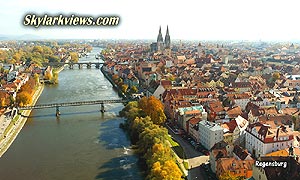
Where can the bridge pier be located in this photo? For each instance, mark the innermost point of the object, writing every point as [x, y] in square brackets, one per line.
[80, 66]
[97, 66]
[57, 111]
[89, 65]
[70, 66]
[102, 108]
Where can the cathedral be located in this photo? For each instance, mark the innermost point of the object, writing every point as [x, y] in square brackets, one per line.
[162, 45]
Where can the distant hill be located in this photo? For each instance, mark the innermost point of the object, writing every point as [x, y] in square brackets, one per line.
[20, 37]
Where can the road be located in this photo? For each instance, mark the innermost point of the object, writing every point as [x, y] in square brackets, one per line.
[194, 157]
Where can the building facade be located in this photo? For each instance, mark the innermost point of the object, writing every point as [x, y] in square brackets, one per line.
[262, 138]
[210, 133]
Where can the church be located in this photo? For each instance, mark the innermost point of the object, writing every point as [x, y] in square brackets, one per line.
[161, 45]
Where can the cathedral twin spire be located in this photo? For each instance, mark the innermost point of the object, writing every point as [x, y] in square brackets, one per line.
[161, 44]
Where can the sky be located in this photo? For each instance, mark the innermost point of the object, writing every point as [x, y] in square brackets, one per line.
[187, 19]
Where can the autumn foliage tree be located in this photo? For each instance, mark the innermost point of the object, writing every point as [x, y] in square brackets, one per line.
[229, 176]
[74, 57]
[24, 96]
[134, 89]
[124, 88]
[154, 108]
[167, 170]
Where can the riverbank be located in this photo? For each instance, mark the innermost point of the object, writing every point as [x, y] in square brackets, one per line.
[19, 122]
[108, 77]
[58, 70]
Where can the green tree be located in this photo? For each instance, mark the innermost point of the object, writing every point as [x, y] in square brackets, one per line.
[53, 58]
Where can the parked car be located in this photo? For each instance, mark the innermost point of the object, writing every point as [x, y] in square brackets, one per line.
[193, 143]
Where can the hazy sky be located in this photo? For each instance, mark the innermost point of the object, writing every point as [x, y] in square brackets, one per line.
[191, 20]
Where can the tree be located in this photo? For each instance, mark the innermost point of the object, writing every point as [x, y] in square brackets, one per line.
[159, 152]
[124, 88]
[23, 98]
[153, 108]
[171, 78]
[2, 102]
[17, 57]
[54, 79]
[228, 176]
[37, 61]
[115, 77]
[276, 75]
[53, 58]
[36, 78]
[48, 75]
[151, 135]
[167, 171]
[74, 57]
[3, 55]
[134, 89]
[38, 49]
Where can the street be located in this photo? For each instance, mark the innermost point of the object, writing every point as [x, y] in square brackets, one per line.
[194, 157]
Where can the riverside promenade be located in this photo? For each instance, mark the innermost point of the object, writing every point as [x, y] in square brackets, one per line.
[17, 124]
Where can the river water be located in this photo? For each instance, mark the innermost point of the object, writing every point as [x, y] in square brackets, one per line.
[82, 144]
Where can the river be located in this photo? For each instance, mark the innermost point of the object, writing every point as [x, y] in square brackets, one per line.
[82, 144]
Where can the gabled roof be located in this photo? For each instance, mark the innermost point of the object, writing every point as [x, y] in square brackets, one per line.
[231, 125]
[240, 152]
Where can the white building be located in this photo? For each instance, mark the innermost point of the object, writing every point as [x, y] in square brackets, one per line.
[210, 133]
[261, 139]
[164, 84]
[240, 130]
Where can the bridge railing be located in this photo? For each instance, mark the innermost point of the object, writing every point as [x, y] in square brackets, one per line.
[78, 103]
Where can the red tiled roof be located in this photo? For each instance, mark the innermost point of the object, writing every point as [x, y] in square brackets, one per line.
[231, 125]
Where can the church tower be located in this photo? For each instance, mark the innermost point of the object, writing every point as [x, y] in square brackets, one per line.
[200, 50]
[160, 41]
[167, 39]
